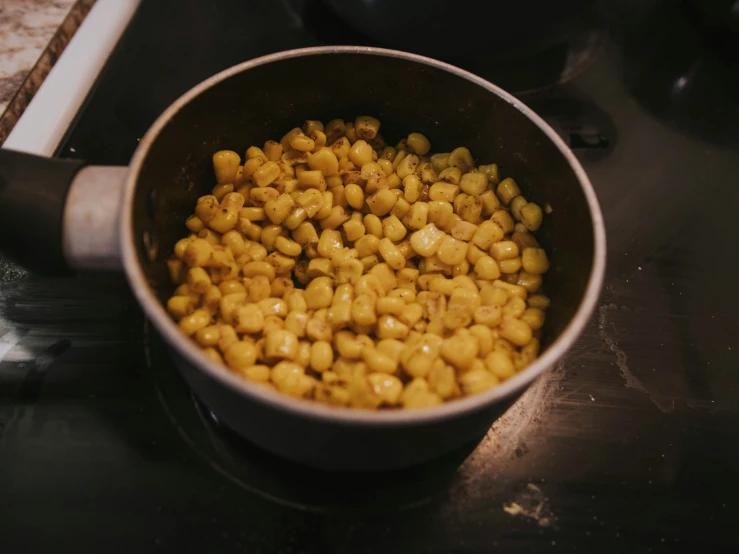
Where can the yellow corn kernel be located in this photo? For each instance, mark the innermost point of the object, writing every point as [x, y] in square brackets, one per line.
[281, 344]
[500, 365]
[393, 229]
[354, 196]
[487, 268]
[389, 327]
[416, 394]
[334, 130]
[287, 246]
[329, 243]
[464, 299]
[224, 220]
[474, 254]
[266, 174]
[384, 275]
[321, 356]
[305, 233]
[503, 219]
[534, 260]
[311, 200]
[511, 265]
[228, 336]
[296, 321]
[366, 127]
[487, 234]
[319, 293]
[259, 196]
[277, 210]
[212, 237]
[454, 319]
[269, 236]
[407, 166]
[312, 179]
[360, 153]
[387, 388]
[252, 213]
[325, 161]
[349, 271]
[516, 206]
[514, 307]
[412, 188]
[490, 203]
[451, 251]
[363, 309]
[438, 283]
[473, 183]
[451, 175]
[402, 207]
[198, 279]
[459, 350]
[390, 305]
[488, 315]
[477, 381]
[440, 161]
[468, 207]
[442, 380]
[530, 281]
[367, 245]
[311, 125]
[508, 190]
[248, 318]
[337, 217]
[320, 267]
[490, 171]
[252, 269]
[534, 318]
[225, 164]
[272, 150]
[256, 373]
[504, 250]
[348, 345]
[462, 268]
[354, 230]
[515, 330]
[302, 143]
[463, 230]
[418, 215]
[484, 338]
[538, 301]
[197, 253]
[381, 202]
[440, 213]
[317, 330]
[259, 288]
[425, 242]
[378, 361]
[273, 306]
[418, 143]
[180, 306]
[461, 158]
[240, 355]
[194, 224]
[443, 191]
[386, 165]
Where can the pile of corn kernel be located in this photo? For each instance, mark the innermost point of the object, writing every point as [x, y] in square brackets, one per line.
[333, 267]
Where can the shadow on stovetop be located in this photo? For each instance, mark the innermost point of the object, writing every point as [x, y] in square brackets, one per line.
[284, 482]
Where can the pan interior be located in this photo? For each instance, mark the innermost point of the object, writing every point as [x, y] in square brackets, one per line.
[266, 101]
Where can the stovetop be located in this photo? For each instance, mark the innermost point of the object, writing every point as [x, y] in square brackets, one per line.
[628, 445]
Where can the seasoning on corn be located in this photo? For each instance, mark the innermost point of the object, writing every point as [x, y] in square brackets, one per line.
[337, 269]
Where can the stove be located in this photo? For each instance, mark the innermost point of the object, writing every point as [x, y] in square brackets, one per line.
[628, 445]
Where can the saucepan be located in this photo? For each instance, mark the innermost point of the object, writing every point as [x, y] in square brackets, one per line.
[58, 216]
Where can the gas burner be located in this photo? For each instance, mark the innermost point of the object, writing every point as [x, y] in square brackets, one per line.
[544, 67]
[314, 490]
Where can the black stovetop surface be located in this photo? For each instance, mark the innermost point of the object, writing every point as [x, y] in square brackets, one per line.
[631, 444]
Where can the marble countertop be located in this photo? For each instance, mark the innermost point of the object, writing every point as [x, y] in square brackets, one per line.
[33, 33]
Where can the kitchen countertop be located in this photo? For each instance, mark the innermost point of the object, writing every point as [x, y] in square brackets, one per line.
[33, 33]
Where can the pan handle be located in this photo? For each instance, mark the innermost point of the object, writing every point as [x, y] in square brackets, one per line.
[59, 215]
